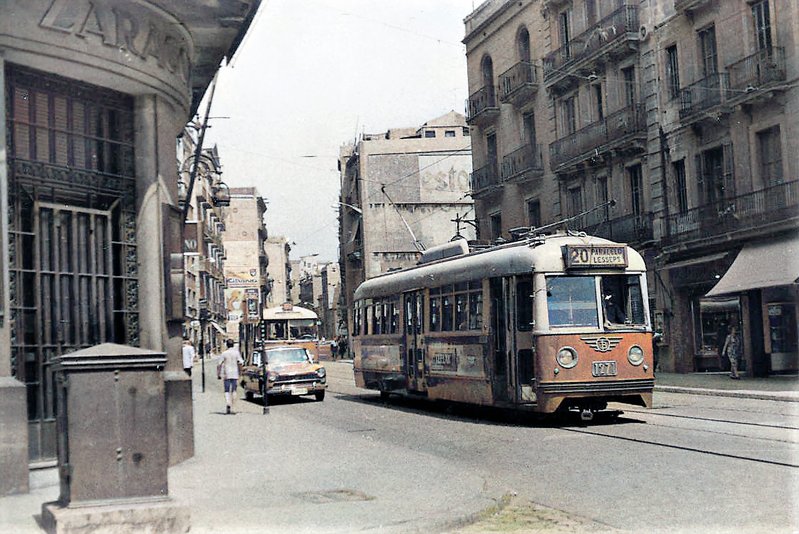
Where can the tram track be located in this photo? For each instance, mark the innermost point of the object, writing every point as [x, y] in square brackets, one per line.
[711, 419]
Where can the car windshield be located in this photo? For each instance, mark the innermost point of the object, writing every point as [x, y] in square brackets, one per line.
[298, 355]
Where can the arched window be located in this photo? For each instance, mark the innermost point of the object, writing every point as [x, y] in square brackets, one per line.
[487, 69]
[523, 45]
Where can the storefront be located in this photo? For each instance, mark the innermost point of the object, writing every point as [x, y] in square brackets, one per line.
[95, 93]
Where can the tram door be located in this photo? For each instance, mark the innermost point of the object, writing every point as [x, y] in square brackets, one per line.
[503, 342]
[414, 343]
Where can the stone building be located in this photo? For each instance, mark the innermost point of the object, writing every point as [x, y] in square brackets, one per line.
[277, 250]
[401, 191]
[631, 121]
[95, 94]
[328, 303]
[203, 253]
[245, 265]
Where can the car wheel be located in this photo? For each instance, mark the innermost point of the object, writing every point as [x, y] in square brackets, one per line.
[320, 395]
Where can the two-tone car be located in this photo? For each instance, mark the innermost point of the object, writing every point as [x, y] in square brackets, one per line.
[290, 370]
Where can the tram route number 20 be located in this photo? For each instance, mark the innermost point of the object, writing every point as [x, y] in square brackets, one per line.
[595, 256]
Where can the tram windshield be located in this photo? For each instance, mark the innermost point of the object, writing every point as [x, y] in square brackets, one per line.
[572, 301]
[285, 329]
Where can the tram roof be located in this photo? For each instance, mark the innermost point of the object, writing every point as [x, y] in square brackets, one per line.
[542, 254]
[292, 313]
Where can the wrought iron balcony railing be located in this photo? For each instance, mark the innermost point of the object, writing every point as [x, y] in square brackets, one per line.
[633, 229]
[750, 211]
[518, 83]
[618, 27]
[485, 178]
[757, 70]
[704, 95]
[613, 131]
[524, 162]
[482, 104]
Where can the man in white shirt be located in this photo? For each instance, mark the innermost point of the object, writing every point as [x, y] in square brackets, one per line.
[228, 369]
[188, 356]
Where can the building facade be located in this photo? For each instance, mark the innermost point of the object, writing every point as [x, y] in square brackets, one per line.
[246, 264]
[628, 120]
[95, 94]
[328, 303]
[277, 250]
[205, 313]
[402, 191]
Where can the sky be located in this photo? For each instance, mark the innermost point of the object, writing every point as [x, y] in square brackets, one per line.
[312, 75]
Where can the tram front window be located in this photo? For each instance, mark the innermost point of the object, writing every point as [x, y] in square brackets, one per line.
[571, 301]
[622, 299]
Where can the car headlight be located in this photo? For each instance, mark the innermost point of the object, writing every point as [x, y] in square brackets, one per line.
[321, 372]
[567, 357]
[272, 376]
[635, 355]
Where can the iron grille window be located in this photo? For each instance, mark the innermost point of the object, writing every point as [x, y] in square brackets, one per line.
[762, 21]
[673, 71]
[708, 51]
[681, 186]
[636, 193]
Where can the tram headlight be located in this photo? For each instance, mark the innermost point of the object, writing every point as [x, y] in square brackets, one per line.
[567, 357]
[635, 355]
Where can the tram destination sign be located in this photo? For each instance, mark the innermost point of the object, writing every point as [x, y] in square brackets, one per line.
[582, 256]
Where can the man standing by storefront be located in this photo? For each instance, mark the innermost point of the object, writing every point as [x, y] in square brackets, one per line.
[230, 362]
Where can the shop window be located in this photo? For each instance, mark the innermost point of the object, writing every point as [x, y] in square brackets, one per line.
[716, 316]
[782, 328]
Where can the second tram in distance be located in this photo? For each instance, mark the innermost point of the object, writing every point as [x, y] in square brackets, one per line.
[548, 324]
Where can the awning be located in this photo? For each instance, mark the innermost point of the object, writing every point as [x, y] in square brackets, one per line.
[219, 328]
[759, 265]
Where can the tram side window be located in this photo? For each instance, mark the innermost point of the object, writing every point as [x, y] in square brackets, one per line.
[622, 299]
[356, 320]
[456, 307]
[435, 310]
[476, 309]
[524, 305]
[395, 317]
[571, 301]
[377, 318]
[446, 312]
[462, 311]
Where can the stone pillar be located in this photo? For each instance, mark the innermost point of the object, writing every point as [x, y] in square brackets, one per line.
[156, 128]
[13, 402]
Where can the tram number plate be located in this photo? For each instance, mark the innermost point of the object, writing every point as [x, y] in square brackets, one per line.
[604, 369]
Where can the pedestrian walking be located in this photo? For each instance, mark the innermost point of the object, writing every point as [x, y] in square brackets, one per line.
[230, 362]
[732, 350]
[188, 356]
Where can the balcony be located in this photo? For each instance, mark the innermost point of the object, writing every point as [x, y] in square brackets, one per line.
[613, 37]
[518, 84]
[210, 267]
[482, 107]
[750, 212]
[485, 179]
[524, 163]
[689, 6]
[754, 76]
[704, 99]
[632, 229]
[623, 129]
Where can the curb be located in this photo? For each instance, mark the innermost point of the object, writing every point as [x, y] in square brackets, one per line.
[740, 394]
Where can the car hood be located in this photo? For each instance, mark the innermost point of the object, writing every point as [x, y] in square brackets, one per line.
[293, 368]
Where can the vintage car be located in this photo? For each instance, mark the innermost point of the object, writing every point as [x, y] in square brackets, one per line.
[290, 370]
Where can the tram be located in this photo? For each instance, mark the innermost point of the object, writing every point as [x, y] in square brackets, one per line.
[551, 323]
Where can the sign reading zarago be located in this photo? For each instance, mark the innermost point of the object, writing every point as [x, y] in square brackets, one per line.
[581, 256]
[127, 26]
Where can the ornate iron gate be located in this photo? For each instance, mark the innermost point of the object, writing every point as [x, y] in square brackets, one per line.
[73, 264]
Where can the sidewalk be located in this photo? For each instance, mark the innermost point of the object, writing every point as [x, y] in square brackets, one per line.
[779, 388]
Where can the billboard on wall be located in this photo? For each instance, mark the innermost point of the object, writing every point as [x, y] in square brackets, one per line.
[242, 296]
[234, 302]
[444, 179]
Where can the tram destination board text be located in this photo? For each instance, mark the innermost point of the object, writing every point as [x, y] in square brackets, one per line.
[577, 256]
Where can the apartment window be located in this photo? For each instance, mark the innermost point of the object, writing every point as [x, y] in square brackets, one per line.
[564, 32]
[568, 116]
[770, 156]
[672, 71]
[680, 186]
[636, 189]
[466, 132]
[429, 133]
[602, 195]
[590, 12]
[528, 122]
[708, 51]
[491, 149]
[599, 112]
[523, 44]
[495, 221]
[449, 133]
[762, 20]
[534, 213]
[575, 201]
[628, 78]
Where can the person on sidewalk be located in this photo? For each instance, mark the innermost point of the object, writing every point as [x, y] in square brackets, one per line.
[188, 356]
[230, 362]
[732, 350]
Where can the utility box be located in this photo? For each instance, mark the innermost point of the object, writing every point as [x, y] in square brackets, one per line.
[112, 440]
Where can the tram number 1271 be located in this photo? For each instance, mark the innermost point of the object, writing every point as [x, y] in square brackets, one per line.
[604, 369]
